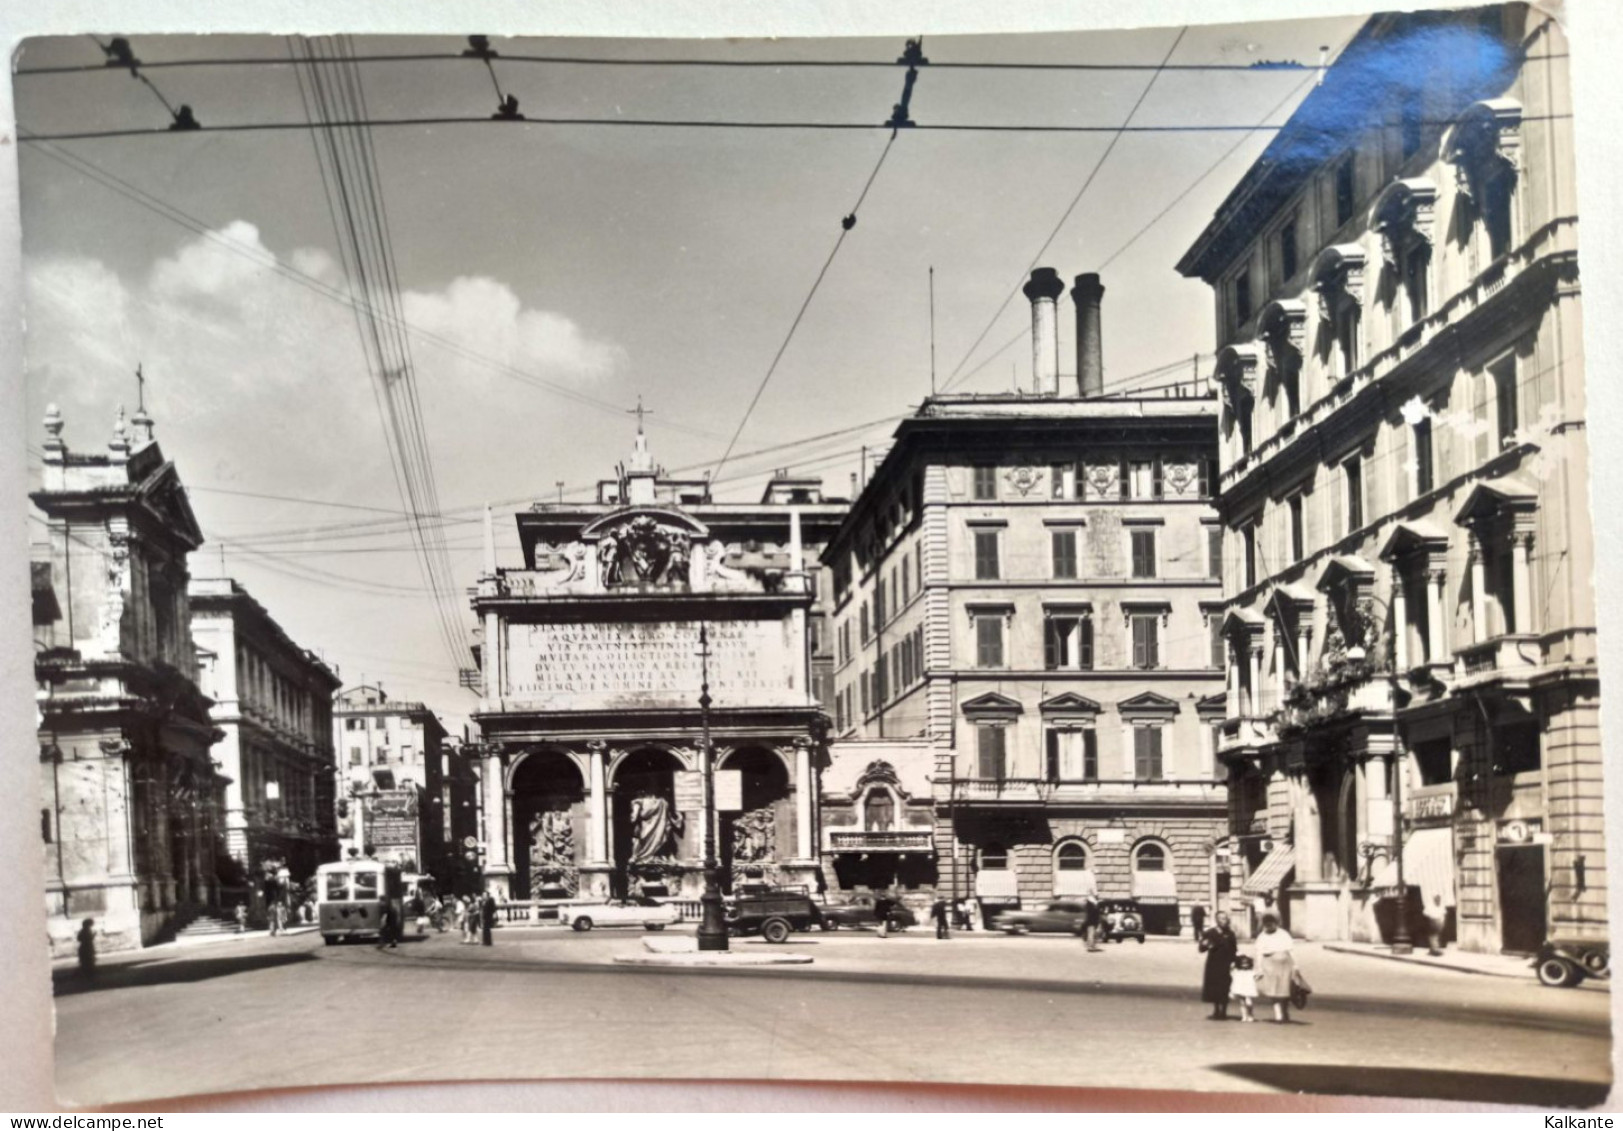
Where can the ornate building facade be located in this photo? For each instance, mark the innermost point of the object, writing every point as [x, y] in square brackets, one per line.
[272, 700]
[1027, 585]
[395, 782]
[1408, 559]
[130, 793]
[590, 714]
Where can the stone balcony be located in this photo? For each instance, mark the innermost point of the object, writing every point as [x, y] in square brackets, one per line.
[1245, 733]
[1510, 656]
[1124, 791]
[887, 841]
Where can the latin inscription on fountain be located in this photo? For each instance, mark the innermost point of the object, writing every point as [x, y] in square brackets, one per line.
[608, 664]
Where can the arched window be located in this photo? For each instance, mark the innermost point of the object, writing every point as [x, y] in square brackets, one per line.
[879, 811]
[994, 858]
[1149, 857]
[1071, 857]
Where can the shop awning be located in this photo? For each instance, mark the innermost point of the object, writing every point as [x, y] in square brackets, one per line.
[1155, 887]
[996, 883]
[1270, 874]
[1428, 864]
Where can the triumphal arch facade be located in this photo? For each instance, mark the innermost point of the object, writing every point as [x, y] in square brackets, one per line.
[590, 710]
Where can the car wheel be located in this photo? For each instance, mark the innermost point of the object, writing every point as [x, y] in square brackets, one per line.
[830, 925]
[330, 940]
[582, 924]
[1140, 940]
[1558, 972]
[775, 931]
[1598, 964]
[654, 926]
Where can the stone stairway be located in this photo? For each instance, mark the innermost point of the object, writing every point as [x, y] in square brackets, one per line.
[206, 926]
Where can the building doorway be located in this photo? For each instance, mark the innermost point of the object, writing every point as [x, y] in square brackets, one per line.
[1522, 904]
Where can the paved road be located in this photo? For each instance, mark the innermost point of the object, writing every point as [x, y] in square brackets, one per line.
[290, 1012]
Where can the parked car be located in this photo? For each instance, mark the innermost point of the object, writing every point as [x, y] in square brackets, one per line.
[640, 912]
[859, 912]
[1121, 919]
[1566, 962]
[1064, 916]
[773, 914]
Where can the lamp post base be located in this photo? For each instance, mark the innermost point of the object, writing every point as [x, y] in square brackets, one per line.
[712, 921]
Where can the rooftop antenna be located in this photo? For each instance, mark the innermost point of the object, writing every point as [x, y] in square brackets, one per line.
[932, 329]
[140, 389]
[559, 483]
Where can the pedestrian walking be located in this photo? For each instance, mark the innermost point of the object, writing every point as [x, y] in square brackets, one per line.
[241, 914]
[1221, 947]
[87, 949]
[1436, 922]
[881, 910]
[1090, 924]
[1243, 986]
[487, 918]
[1276, 967]
[1197, 920]
[938, 912]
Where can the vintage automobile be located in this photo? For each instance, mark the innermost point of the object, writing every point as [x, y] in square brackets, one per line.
[639, 912]
[773, 914]
[859, 912]
[1063, 916]
[1121, 919]
[1566, 962]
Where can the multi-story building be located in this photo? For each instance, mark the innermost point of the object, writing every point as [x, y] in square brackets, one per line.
[392, 773]
[1404, 478]
[591, 718]
[130, 794]
[1029, 583]
[273, 701]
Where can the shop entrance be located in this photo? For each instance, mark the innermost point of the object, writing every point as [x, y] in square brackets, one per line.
[1521, 897]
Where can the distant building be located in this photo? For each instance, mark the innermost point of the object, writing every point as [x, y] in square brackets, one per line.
[273, 701]
[392, 773]
[1028, 584]
[130, 793]
[590, 716]
[1409, 565]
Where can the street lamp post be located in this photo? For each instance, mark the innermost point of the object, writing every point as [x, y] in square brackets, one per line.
[1401, 943]
[712, 925]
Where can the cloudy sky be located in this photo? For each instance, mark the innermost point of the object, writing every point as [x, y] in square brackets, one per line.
[554, 274]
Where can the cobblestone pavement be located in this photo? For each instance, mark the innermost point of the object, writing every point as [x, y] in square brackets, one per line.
[1033, 1010]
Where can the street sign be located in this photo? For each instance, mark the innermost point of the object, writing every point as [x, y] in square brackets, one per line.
[687, 786]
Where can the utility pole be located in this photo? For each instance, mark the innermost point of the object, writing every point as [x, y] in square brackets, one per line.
[712, 926]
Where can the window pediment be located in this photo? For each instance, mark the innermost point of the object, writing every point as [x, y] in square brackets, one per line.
[1413, 537]
[1337, 275]
[1237, 370]
[1403, 212]
[1487, 132]
[1147, 705]
[1069, 703]
[1283, 324]
[992, 705]
[1494, 497]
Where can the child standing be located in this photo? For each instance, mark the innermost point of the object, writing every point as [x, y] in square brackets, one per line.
[1243, 986]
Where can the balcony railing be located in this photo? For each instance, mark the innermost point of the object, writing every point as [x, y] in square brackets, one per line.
[1043, 790]
[1512, 653]
[894, 840]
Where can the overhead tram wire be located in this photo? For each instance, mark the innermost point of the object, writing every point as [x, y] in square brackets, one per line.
[913, 56]
[178, 216]
[953, 378]
[350, 177]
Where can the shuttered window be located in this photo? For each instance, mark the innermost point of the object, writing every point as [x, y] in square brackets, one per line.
[1064, 544]
[1143, 553]
[990, 754]
[989, 641]
[1147, 753]
[1146, 641]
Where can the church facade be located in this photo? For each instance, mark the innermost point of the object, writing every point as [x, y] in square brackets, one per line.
[590, 714]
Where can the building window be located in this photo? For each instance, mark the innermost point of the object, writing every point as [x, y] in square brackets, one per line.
[1143, 479]
[1434, 759]
[1071, 857]
[1248, 535]
[1147, 753]
[1516, 749]
[1220, 650]
[1073, 754]
[1214, 551]
[1146, 640]
[1416, 260]
[1346, 343]
[1068, 643]
[356, 757]
[1242, 297]
[1150, 857]
[985, 488]
[1064, 553]
[994, 858]
[1298, 536]
[867, 630]
[1345, 197]
[879, 811]
[989, 640]
[986, 555]
[1504, 394]
[1143, 545]
[1423, 473]
[405, 753]
[1066, 482]
[354, 724]
[1354, 469]
[863, 698]
[990, 751]
[1287, 249]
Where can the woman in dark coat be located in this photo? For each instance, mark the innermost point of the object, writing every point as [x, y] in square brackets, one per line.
[1220, 945]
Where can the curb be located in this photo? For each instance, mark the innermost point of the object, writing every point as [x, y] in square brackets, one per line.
[1422, 960]
[712, 959]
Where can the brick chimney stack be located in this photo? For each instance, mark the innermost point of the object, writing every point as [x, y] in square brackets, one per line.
[1088, 293]
[1042, 289]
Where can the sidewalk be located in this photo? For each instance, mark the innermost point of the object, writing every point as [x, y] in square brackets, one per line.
[1463, 962]
[161, 949]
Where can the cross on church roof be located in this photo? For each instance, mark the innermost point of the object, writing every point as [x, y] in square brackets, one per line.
[640, 412]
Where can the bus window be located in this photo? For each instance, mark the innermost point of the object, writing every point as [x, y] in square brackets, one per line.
[366, 885]
[337, 886]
